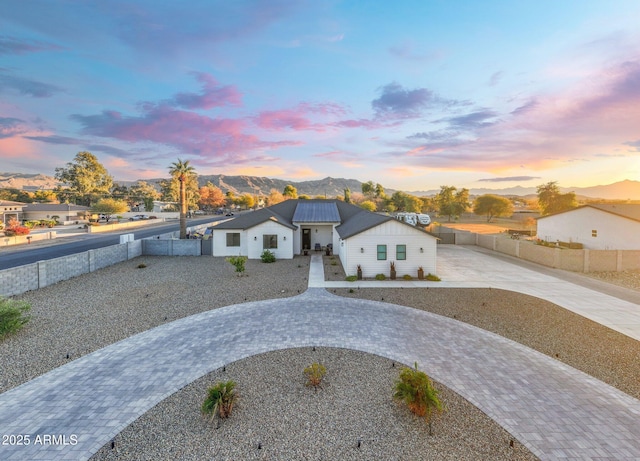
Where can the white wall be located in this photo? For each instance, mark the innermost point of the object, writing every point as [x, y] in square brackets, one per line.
[254, 240]
[391, 233]
[613, 232]
[220, 247]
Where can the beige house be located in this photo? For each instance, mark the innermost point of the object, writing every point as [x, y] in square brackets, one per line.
[11, 210]
[64, 211]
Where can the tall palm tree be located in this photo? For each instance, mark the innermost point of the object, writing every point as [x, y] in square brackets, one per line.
[182, 170]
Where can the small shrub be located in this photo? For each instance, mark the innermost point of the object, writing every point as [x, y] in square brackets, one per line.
[220, 400]
[13, 316]
[381, 277]
[351, 290]
[433, 278]
[17, 230]
[31, 224]
[334, 262]
[314, 373]
[238, 262]
[268, 257]
[407, 277]
[351, 278]
[416, 389]
[142, 266]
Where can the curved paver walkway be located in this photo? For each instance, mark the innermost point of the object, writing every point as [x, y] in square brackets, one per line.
[556, 411]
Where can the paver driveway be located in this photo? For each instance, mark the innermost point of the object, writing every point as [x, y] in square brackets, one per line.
[556, 411]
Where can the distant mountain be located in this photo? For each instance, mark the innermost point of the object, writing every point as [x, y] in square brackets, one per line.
[27, 181]
[331, 187]
[621, 190]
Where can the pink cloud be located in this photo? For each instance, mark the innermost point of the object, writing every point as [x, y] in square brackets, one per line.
[299, 117]
[212, 95]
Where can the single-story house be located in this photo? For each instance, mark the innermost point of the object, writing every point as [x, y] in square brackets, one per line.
[64, 211]
[595, 226]
[11, 210]
[357, 236]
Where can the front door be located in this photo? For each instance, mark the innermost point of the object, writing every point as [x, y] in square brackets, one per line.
[306, 239]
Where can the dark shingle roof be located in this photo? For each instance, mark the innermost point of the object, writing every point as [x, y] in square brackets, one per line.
[353, 219]
[55, 207]
[312, 211]
[253, 218]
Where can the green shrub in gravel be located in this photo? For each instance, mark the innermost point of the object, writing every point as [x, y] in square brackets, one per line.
[433, 278]
[416, 389]
[351, 278]
[13, 316]
[220, 400]
[314, 373]
[381, 277]
[238, 262]
[268, 257]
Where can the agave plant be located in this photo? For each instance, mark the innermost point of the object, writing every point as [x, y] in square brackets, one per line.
[220, 400]
[416, 389]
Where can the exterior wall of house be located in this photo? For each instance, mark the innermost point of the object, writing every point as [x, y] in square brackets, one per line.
[251, 241]
[611, 232]
[362, 249]
[284, 237]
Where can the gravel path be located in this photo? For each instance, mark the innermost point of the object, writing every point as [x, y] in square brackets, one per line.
[84, 314]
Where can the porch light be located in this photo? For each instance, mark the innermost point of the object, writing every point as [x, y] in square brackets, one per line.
[361, 250]
[284, 238]
[255, 237]
[421, 250]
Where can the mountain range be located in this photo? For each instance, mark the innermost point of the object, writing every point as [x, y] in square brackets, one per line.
[331, 187]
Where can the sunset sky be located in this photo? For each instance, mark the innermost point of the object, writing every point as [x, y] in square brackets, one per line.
[409, 94]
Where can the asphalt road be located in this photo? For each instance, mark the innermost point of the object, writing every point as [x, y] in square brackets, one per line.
[20, 255]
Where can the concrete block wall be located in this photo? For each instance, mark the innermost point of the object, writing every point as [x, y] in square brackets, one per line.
[18, 280]
[155, 247]
[630, 259]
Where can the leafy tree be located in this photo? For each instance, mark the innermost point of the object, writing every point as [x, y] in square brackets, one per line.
[87, 178]
[290, 192]
[14, 314]
[347, 195]
[274, 197]
[369, 205]
[416, 389]
[109, 206]
[304, 197]
[246, 200]
[492, 205]
[452, 202]
[182, 171]
[211, 197]
[380, 191]
[16, 195]
[45, 196]
[145, 192]
[551, 200]
[368, 188]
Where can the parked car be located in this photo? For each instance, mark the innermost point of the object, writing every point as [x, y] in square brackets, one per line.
[138, 217]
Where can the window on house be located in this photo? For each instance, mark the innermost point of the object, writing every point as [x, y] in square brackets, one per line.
[382, 252]
[233, 239]
[401, 252]
[594, 232]
[269, 241]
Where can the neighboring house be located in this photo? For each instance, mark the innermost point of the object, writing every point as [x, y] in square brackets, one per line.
[64, 211]
[595, 226]
[358, 236]
[10, 210]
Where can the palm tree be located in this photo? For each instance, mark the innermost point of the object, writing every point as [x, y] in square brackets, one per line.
[182, 170]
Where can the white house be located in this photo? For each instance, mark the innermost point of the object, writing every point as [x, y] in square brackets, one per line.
[358, 236]
[11, 210]
[595, 226]
[64, 211]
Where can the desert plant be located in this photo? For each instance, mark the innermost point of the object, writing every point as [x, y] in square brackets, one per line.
[351, 278]
[432, 277]
[407, 277]
[238, 262]
[314, 373]
[142, 266]
[220, 400]
[416, 389]
[268, 257]
[381, 277]
[13, 316]
[334, 262]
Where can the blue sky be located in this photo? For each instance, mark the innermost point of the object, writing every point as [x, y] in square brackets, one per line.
[409, 94]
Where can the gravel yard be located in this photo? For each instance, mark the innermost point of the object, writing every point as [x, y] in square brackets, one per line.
[291, 421]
